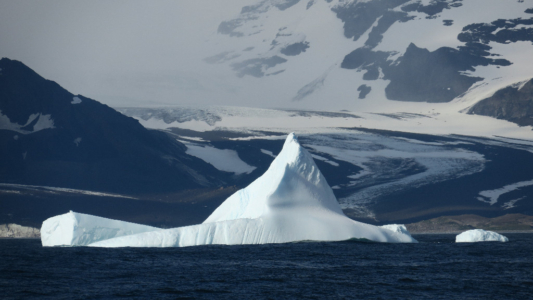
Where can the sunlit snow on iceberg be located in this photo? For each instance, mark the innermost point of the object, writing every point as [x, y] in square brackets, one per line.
[480, 235]
[290, 202]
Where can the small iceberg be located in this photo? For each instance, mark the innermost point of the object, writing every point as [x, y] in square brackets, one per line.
[290, 202]
[480, 235]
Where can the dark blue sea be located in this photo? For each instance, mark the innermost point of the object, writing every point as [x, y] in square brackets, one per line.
[436, 268]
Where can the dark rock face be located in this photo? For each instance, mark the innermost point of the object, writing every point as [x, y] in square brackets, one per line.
[256, 66]
[435, 76]
[295, 49]
[466, 222]
[359, 16]
[420, 75]
[363, 91]
[86, 145]
[511, 104]
[435, 7]
[365, 59]
[283, 5]
[500, 31]
[385, 22]
[228, 27]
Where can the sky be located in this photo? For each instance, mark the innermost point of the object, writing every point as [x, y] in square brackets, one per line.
[122, 53]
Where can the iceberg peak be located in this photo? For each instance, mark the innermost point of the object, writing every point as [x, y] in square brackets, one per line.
[290, 202]
[292, 182]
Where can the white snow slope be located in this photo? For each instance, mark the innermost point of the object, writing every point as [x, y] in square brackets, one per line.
[480, 235]
[290, 202]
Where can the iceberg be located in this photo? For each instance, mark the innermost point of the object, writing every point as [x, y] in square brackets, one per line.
[75, 229]
[480, 235]
[290, 202]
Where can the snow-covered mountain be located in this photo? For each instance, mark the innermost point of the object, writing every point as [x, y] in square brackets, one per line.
[380, 168]
[396, 98]
[373, 55]
[51, 137]
[411, 108]
[58, 148]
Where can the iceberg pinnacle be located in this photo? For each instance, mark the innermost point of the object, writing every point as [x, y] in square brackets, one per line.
[290, 202]
[292, 183]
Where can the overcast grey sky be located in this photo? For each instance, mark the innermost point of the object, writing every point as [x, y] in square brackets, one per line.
[122, 52]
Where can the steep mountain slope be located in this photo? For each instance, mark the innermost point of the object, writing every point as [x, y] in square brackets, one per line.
[51, 137]
[61, 151]
[461, 223]
[513, 103]
[375, 55]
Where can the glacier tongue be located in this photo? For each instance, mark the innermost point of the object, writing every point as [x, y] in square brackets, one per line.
[290, 202]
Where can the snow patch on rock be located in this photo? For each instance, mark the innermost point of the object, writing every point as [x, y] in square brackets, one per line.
[491, 196]
[43, 122]
[223, 159]
[76, 100]
[269, 153]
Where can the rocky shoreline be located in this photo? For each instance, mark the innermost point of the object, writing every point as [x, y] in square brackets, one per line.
[510, 223]
[18, 231]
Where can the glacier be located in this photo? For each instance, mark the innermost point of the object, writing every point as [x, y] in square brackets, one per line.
[290, 202]
[480, 235]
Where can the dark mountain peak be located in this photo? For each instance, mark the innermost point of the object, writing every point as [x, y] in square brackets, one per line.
[513, 103]
[68, 140]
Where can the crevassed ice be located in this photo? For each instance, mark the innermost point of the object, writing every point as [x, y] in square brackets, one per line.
[290, 202]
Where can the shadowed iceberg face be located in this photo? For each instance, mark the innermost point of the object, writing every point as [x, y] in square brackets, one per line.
[290, 202]
[292, 182]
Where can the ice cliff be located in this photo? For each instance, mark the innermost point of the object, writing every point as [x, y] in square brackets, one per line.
[480, 235]
[75, 229]
[290, 202]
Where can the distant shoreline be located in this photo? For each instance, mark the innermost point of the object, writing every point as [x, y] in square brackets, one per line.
[19, 238]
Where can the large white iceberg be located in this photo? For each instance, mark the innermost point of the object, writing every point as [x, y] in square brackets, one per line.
[290, 202]
[480, 235]
[75, 229]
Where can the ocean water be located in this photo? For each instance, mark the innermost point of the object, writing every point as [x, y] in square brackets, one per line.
[436, 268]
